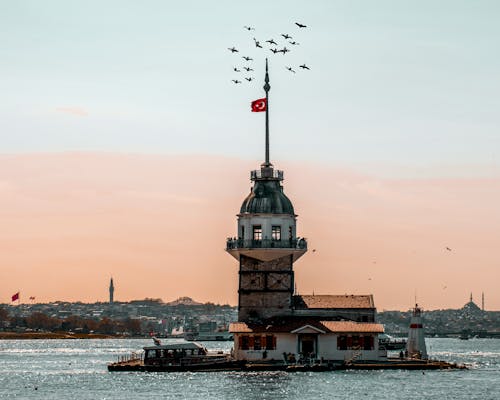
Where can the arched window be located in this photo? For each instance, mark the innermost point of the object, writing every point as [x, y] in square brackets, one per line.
[276, 232]
[257, 232]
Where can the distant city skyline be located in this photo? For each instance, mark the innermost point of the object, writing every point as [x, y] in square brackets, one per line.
[126, 147]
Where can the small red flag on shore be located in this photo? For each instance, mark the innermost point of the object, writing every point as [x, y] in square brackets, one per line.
[15, 296]
[259, 105]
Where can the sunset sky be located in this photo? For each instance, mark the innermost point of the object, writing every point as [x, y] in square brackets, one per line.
[126, 149]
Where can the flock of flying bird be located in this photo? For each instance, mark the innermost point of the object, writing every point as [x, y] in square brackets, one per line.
[274, 50]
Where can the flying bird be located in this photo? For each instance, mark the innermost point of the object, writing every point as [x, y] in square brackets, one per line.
[233, 49]
[249, 79]
[236, 69]
[271, 42]
[249, 28]
[274, 50]
[304, 66]
[290, 69]
[447, 248]
[236, 81]
[257, 43]
[294, 43]
[283, 50]
[248, 69]
[286, 35]
[300, 25]
[247, 58]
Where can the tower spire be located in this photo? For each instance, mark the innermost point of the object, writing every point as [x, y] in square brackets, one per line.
[267, 87]
[111, 291]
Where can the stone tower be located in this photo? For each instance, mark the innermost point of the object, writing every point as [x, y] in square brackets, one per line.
[111, 291]
[266, 245]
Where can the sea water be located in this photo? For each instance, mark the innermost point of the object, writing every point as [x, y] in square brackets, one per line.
[76, 369]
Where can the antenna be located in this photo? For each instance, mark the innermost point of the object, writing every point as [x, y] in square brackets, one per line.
[267, 87]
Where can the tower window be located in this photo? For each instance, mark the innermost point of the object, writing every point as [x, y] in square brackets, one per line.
[257, 232]
[276, 232]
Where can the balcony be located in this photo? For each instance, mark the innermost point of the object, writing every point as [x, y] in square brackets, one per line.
[300, 243]
[266, 173]
[267, 249]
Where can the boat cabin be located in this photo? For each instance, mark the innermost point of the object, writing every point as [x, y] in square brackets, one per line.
[173, 353]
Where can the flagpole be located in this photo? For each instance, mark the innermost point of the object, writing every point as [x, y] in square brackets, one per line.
[267, 87]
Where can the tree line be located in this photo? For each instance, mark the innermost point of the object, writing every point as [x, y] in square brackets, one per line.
[41, 322]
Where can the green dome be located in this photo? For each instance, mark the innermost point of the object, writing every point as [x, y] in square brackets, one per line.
[267, 197]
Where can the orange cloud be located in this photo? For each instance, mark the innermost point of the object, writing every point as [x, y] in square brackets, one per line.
[158, 224]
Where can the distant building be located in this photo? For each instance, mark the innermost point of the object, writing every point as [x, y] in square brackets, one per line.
[111, 291]
[272, 319]
[471, 307]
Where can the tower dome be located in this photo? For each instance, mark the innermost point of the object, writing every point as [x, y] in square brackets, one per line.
[267, 197]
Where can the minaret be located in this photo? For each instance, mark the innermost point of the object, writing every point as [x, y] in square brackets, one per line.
[482, 301]
[267, 244]
[111, 291]
[416, 340]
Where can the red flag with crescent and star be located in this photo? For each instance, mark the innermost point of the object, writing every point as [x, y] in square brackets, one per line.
[259, 105]
[15, 296]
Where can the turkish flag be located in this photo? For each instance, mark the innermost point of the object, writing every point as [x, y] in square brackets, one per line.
[259, 105]
[15, 296]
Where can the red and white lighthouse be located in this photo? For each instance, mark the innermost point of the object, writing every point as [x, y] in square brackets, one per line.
[415, 346]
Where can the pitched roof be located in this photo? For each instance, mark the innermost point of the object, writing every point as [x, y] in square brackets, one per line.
[239, 327]
[349, 326]
[333, 301]
[291, 325]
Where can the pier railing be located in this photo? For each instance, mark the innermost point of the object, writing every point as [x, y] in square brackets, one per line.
[234, 243]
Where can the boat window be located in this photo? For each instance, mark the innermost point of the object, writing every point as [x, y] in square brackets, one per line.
[276, 232]
[257, 232]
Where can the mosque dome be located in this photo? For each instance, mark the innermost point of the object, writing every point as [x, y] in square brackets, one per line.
[267, 197]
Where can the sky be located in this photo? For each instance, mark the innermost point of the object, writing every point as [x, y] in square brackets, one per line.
[125, 145]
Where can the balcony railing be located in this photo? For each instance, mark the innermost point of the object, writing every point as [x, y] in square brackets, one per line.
[266, 173]
[234, 244]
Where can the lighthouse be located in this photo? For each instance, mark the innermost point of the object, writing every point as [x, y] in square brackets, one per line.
[415, 345]
[267, 244]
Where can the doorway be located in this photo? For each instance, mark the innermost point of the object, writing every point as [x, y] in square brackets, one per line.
[307, 345]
